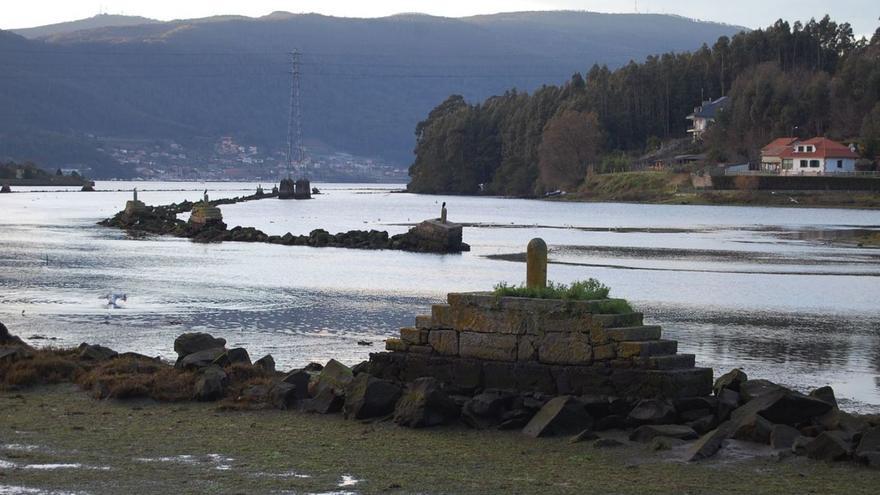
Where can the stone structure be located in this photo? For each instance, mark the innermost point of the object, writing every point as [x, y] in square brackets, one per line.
[301, 189]
[439, 235]
[482, 341]
[134, 206]
[536, 264]
[204, 213]
[5, 188]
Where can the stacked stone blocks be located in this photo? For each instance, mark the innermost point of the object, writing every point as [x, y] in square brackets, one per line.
[543, 343]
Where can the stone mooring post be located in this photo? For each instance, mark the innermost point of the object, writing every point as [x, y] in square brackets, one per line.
[536, 264]
[443, 213]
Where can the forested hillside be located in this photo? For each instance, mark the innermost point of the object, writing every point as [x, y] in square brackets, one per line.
[808, 79]
[365, 82]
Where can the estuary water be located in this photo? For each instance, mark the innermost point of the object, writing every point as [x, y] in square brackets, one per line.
[763, 289]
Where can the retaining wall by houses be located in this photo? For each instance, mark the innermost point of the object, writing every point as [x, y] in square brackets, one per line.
[479, 340]
[795, 183]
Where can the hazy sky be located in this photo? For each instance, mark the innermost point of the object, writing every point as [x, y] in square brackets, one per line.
[862, 14]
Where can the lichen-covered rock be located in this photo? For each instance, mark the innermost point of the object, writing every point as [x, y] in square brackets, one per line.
[425, 404]
[334, 376]
[730, 380]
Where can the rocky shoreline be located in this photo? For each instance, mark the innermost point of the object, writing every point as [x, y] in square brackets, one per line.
[426, 237]
[751, 410]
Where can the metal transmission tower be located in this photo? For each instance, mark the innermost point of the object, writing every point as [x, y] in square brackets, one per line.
[301, 189]
[295, 153]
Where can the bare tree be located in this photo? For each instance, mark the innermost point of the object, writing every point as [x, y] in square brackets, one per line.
[569, 147]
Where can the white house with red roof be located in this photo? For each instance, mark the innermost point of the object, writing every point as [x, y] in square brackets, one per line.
[816, 156]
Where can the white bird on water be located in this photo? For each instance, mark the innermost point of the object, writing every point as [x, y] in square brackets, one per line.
[115, 300]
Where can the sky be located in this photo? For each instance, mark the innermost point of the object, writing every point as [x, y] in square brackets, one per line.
[862, 14]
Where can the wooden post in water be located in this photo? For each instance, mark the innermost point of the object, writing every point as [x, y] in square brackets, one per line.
[536, 264]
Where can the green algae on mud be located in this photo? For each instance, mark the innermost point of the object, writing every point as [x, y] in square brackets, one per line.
[146, 447]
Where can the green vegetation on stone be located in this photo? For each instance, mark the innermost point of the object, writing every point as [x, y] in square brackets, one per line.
[583, 290]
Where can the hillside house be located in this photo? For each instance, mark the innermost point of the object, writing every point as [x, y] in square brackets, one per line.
[704, 115]
[816, 156]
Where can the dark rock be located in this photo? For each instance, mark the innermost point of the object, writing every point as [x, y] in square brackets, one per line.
[282, 395]
[334, 376]
[516, 419]
[812, 431]
[611, 422]
[799, 447]
[703, 425]
[267, 363]
[870, 442]
[607, 443]
[200, 359]
[256, 394]
[825, 394]
[211, 385]
[190, 343]
[7, 339]
[687, 404]
[694, 414]
[12, 354]
[325, 402]
[96, 352]
[871, 459]
[753, 428]
[665, 443]
[792, 408]
[314, 367]
[752, 389]
[646, 433]
[301, 380]
[652, 412]
[597, 406]
[836, 419]
[583, 436]
[730, 380]
[829, 446]
[783, 436]
[711, 442]
[484, 410]
[562, 415]
[728, 400]
[424, 404]
[369, 397]
[233, 356]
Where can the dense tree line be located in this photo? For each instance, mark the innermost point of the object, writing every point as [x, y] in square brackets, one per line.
[807, 79]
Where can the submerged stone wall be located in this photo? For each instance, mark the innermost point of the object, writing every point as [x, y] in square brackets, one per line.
[479, 340]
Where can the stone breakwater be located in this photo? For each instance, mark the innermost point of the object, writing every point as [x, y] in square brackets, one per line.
[479, 340]
[692, 428]
[430, 236]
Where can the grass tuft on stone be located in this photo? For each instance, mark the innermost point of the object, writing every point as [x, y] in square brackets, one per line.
[583, 290]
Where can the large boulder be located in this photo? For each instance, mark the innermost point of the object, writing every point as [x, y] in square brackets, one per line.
[563, 415]
[211, 384]
[752, 389]
[825, 394]
[711, 442]
[189, 343]
[783, 436]
[233, 356]
[369, 397]
[326, 401]
[282, 395]
[646, 433]
[783, 406]
[869, 445]
[652, 412]
[12, 354]
[423, 404]
[334, 376]
[200, 359]
[7, 339]
[486, 409]
[730, 380]
[91, 352]
[267, 363]
[728, 400]
[829, 446]
[300, 379]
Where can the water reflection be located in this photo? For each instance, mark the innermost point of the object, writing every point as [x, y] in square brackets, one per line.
[748, 287]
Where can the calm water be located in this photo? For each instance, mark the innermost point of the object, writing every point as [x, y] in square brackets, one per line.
[755, 288]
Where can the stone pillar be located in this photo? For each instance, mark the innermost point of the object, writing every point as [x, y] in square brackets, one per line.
[536, 264]
[135, 191]
[443, 213]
